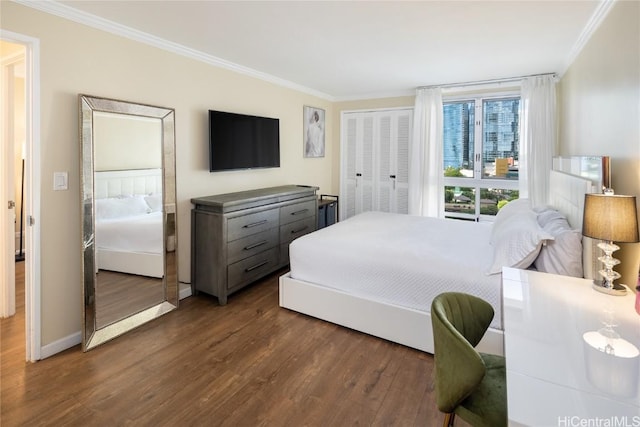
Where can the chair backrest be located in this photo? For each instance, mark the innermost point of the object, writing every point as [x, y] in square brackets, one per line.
[459, 322]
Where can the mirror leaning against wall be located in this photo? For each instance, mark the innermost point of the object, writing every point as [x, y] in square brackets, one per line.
[129, 236]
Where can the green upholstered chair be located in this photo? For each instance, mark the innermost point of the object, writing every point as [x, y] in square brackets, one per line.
[468, 383]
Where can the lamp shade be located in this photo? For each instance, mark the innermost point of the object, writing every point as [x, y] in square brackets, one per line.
[610, 217]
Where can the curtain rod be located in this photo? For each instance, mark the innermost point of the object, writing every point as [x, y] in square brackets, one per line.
[485, 82]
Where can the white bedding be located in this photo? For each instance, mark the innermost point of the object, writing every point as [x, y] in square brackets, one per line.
[419, 257]
[140, 233]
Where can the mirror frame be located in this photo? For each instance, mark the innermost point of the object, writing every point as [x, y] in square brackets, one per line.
[91, 335]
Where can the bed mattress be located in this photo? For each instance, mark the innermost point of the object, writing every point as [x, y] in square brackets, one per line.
[400, 259]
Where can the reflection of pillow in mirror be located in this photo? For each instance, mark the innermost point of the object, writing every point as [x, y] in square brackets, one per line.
[154, 201]
[117, 207]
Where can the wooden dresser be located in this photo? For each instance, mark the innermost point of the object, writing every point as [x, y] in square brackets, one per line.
[237, 238]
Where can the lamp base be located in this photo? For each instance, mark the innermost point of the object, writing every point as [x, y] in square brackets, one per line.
[616, 289]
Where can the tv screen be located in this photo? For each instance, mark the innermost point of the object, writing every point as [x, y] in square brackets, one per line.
[239, 141]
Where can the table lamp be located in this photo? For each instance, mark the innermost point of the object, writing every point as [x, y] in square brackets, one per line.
[611, 218]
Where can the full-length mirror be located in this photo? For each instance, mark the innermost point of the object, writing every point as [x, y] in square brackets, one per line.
[128, 216]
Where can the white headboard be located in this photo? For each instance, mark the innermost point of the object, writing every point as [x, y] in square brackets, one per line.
[127, 182]
[566, 194]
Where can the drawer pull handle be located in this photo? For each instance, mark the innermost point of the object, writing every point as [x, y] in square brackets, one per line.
[300, 211]
[256, 266]
[255, 245]
[299, 230]
[255, 224]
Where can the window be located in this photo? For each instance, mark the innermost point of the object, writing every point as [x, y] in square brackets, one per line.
[480, 154]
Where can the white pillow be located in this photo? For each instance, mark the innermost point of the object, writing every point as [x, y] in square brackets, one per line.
[542, 209]
[517, 242]
[117, 207]
[154, 201]
[511, 209]
[563, 255]
[548, 216]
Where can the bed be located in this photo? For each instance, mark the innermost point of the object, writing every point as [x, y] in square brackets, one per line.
[342, 274]
[129, 222]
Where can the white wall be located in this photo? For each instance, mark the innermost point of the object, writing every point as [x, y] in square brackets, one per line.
[122, 142]
[76, 59]
[600, 108]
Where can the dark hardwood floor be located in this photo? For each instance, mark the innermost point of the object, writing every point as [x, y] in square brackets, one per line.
[249, 363]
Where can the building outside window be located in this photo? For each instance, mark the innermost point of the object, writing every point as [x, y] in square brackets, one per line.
[480, 155]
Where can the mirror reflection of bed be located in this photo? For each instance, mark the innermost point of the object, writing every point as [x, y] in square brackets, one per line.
[129, 237]
[129, 216]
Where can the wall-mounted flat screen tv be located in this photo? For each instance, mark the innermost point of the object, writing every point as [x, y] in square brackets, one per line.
[240, 141]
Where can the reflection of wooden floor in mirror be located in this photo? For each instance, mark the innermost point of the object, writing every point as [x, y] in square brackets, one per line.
[118, 295]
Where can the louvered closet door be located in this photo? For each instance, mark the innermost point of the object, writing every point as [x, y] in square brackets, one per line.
[357, 166]
[392, 166]
[384, 171]
[375, 159]
[348, 170]
[402, 132]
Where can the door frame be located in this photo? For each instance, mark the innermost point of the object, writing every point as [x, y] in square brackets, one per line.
[7, 189]
[32, 183]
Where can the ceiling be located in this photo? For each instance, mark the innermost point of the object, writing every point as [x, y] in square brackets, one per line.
[359, 49]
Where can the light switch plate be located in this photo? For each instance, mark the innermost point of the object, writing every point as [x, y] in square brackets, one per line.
[60, 181]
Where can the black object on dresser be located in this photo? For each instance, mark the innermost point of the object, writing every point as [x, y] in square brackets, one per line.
[238, 238]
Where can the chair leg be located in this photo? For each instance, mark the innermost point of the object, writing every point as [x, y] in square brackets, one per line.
[448, 419]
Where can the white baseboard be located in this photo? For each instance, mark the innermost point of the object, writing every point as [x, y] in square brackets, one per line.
[185, 290]
[75, 339]
[60, 345]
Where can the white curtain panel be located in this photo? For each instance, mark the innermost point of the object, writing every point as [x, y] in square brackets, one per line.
[426, 196]
[538, 142]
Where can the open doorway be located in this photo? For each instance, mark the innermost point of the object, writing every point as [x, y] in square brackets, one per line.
[13, 151]
[20, 190]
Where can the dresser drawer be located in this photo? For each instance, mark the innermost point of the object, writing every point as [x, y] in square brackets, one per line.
[249, 269]
[297, 211]
[293, 230]
[251, 245]
[245, 225]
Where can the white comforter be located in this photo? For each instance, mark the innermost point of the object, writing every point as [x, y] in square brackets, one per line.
[400, 259]
[139, 233]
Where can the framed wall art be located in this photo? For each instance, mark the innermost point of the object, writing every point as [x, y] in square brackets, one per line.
[313, 131]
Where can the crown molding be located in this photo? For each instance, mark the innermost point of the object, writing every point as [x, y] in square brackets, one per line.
[601, 12]
[54, 8]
